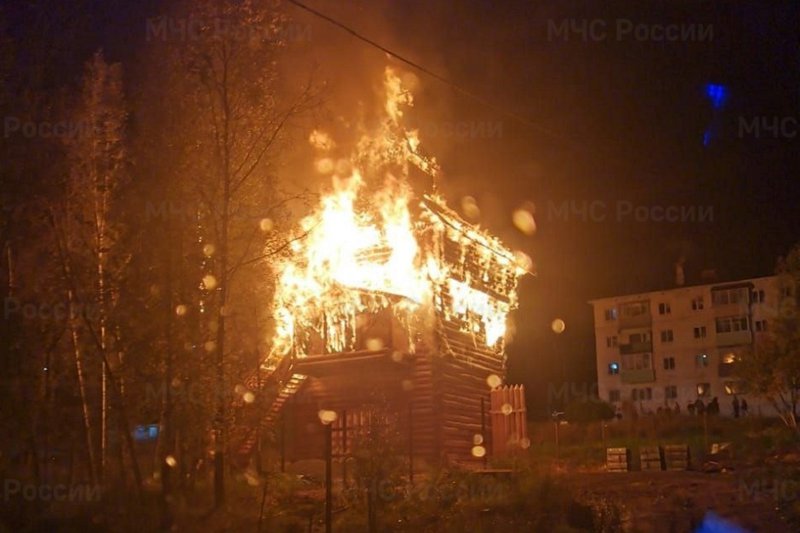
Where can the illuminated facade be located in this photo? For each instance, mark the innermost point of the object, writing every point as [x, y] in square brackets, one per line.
[660, 348]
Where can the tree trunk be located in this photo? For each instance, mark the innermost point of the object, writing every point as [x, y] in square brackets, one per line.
[76, 348]
[87, 424]
[166, 438]
[225, 148]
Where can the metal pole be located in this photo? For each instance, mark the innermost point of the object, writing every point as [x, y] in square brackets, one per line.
[328, 477]
[410, 443]
[558, 454]
[603, 432]
[344, 448]
[283, 443]
[483, 431]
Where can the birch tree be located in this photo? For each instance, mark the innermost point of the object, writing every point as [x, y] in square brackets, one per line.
[87, 233]
[241, 114]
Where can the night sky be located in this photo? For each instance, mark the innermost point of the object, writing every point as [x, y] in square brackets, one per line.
[602, 122]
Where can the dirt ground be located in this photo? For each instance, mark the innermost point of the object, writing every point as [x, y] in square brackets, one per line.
[678, 501]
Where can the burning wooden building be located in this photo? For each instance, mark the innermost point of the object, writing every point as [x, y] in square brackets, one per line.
[391, 302]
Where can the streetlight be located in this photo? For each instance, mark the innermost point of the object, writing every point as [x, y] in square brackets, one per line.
[328, 418]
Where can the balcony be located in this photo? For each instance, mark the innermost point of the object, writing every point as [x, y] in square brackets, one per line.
[644, 375]
[730, 300]
[635, 321]
[734, 309]
[636, 347]
[734, 338]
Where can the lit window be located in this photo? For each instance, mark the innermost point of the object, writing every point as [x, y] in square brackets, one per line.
[732, 387]
[703, 389]
[729, 358]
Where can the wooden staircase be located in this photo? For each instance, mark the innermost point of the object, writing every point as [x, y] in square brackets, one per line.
[271, 391]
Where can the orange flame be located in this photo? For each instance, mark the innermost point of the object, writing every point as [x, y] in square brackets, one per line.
[361, 250]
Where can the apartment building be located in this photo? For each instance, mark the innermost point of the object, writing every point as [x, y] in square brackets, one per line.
[660, 348]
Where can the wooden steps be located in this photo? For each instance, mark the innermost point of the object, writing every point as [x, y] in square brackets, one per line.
[271, 394]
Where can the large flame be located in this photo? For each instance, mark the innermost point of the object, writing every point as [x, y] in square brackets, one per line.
[360, 250]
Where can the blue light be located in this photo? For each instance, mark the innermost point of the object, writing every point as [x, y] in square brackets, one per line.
[707, 138]
[145, 432]
[718, 94]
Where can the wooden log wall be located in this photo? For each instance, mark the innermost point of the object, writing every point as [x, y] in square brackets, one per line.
[395, 387]
[465, 361]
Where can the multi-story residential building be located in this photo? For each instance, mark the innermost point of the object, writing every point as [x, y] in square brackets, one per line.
[660, 348]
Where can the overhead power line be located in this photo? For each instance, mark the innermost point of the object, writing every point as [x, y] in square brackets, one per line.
[573, 144]
[466, 92]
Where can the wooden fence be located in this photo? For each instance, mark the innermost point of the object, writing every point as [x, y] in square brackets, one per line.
[509, 423]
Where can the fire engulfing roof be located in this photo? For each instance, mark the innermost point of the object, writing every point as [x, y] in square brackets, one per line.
[369, 248]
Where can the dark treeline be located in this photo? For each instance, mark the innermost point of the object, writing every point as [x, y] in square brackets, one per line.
[140, 211]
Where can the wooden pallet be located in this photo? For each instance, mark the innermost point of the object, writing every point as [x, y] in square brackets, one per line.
[676, 457]
[650, 458]
[617, 459]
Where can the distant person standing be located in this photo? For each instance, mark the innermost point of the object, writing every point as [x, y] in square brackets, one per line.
[713, 406]
[736, 406]
[744, 406]
[699, 406]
